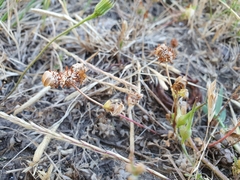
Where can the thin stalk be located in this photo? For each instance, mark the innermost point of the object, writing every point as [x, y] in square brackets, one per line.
[99, 104]
[122, 116]
[232, 11]
[94, 68]
[138, 124]
[101, 8]
[224, 137]
[65, 138]
[131, 136]
[208, 163]
[48, 44]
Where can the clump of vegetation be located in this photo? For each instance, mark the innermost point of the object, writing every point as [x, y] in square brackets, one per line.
[150, 88]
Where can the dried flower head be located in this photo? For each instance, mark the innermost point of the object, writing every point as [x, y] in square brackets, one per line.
[174, 43]
[74, 75]
[165, 53]
[133, 98]
[135, 169]
[179, 87]
[114, 106]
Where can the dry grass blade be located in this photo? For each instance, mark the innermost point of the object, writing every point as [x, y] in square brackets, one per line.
[32, 100]
[226, 135]
[234, 12]
[101, 8]
[65, 138]
[211, 100]
[123, 71]
[46, 140]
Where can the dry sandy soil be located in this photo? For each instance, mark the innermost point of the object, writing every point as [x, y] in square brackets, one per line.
[120, 43]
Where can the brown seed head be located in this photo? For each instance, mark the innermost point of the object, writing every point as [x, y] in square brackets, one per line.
[114, 106]
[165, 53]
[74, 75]
[174, 43]
[133, 98]
[179, 87]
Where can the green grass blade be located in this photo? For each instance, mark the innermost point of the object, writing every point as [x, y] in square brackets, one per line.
[219, 101]
[24, 11]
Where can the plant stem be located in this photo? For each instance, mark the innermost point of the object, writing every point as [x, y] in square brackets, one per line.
[138, 124]
[208, 163]
[65, 138]
[99, 104]
[122, 116]
[224, 137]
[232, 11]
[131, 136]
[48, 44]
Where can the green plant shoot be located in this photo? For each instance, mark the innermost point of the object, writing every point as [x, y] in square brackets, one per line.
[184, 123]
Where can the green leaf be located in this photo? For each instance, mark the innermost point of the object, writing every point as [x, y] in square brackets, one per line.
[219, 101]
[24, 11]
[185, 133]
[205, 109]
[221, 118]
[223, 115]
[182, 120]
[188, 118]
[1, 3]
